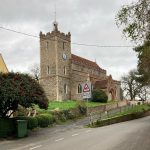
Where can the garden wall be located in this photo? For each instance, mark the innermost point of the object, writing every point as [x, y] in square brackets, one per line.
[107, 107]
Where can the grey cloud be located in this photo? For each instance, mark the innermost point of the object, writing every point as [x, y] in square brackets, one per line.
[89, 21]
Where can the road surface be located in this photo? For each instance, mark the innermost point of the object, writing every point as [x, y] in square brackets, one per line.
[131, 135]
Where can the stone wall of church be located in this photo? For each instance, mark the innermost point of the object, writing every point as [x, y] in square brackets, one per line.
[118, 90]
[49, 85]
[47, 57]
[76, 79]
[81, 74]
[64, 93]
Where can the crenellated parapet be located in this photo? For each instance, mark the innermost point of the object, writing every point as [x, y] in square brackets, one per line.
[56, 33]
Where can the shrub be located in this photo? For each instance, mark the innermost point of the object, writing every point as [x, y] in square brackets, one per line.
[99, 96]
[82, 107]
[19, 89]
[32, 122]
[44, 120]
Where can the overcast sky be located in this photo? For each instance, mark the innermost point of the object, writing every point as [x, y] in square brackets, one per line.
[89, 21]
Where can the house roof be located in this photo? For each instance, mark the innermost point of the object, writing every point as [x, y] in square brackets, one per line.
[85, 62]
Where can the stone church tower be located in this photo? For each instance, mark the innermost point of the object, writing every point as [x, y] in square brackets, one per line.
[55, 64]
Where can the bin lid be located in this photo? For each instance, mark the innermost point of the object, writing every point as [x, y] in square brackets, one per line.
[21, 120]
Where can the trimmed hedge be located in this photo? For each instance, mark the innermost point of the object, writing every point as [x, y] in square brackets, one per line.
[44, 120]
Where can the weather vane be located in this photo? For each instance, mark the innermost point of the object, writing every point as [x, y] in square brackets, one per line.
[55, 13]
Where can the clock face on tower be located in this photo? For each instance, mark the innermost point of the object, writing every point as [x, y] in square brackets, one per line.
[64, 56]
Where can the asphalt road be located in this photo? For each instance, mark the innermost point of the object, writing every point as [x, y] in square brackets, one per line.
[131, 135]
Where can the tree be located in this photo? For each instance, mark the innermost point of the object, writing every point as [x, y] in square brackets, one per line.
[144, 93]
[19, 89]
[130, 85]
[135, 19]
[144, 63]
[35, 71]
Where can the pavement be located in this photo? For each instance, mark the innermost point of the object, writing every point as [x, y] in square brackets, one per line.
[130, 135]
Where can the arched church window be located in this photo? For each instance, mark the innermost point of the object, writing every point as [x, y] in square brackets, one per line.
[47, 45]
[48, 70]
[65, 70]
[63, 45]
[79, 88]
[65, 89]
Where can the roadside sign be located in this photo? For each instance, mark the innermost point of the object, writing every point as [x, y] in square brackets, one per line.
[86, 90]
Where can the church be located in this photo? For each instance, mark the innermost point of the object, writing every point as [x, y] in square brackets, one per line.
[62, 73]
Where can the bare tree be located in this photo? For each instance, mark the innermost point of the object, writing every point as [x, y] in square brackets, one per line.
[35, 71]
[144, 93]
[130, 86]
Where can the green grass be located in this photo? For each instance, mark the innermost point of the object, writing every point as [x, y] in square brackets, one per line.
[69, 104]
[94, 104]
[65, 105]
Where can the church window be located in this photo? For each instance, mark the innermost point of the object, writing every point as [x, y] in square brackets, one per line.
[65, 88]
[79, 88]
[65, 70]
[63, 45]
[47, 45]
[92, 87]
[48, 70]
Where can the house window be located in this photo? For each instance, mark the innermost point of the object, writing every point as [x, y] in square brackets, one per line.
[65, 70]
[79, 88]
[65, 88]
[48, 70]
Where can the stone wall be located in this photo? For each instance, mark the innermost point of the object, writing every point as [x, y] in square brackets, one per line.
[49, 85]
[103, 108]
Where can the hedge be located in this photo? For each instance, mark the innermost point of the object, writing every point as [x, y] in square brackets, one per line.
[99, 96]
[7, 127]
[44, 120]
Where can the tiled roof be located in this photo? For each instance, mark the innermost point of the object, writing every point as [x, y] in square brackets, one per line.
[85, 62]
[102, 84]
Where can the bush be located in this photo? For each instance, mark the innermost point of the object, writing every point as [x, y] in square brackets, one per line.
[19, 89]
[82, 107]
[99, 96]
[32, 122]
[44, 120]
[63, 115]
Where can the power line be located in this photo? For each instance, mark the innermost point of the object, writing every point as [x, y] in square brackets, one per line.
[82, 44]
[93, 45]
[19, 32]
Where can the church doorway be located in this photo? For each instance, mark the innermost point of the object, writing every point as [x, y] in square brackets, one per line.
[111, 95]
